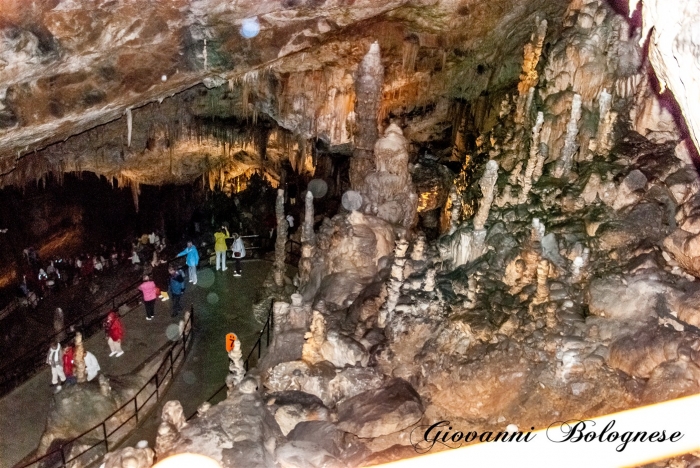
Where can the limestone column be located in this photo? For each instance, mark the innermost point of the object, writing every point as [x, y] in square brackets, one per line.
[79, 359]
[307, 228]
[281, 242]
[487, 184]
[368, 91]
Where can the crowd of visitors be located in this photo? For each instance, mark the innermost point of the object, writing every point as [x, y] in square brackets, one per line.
[39, 278]
[144, 253]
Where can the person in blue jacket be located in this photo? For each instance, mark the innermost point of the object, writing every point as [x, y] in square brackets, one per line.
[192, 260]
[176, 287]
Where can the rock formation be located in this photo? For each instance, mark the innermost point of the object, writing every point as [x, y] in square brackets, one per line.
[560, 281]
[368, 84]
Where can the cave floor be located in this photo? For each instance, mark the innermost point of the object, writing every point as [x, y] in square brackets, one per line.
[222, 304]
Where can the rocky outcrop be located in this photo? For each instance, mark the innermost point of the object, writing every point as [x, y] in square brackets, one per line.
[379, 412]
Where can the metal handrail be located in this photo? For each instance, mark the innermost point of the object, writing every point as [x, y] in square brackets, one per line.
[23, 367]
[170, 360]
[246, 364]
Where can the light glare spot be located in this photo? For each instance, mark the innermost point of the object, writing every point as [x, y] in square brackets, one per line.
[250, 27]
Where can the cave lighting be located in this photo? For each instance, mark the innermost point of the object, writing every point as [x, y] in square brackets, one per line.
[187, 460]
[548, 449]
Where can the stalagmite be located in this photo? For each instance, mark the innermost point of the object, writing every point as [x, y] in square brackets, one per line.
[537, 230]
[393, 287]
[470, 303]
[368, 89]
[236, 369]
[532, 161]
[576, 268]
[418, 252]
[563, 166]
[314, 338]
[542, 294]
[79, 359]
[281, 242]
[307, 228]
[455, 210]
[205, 55]
[487, 184]
[429, 285]
[542, 153]
[606, 121]
[129, 122]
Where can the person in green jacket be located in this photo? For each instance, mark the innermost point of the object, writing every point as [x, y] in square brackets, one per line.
[220, 237]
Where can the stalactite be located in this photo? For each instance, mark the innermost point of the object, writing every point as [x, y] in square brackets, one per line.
[135, 192]
[529, 77]
[563, 166]
[410, 53]
[368, 89]
[129, 122]
[487, 184]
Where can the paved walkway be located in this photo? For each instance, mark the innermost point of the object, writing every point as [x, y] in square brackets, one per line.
[222, 305]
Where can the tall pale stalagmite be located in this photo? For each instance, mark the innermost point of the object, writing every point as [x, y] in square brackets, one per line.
[564, 162]
[281, 242]
[606, 121]
[532, 161]
[487, 184]
[307, 228]
[368, 89]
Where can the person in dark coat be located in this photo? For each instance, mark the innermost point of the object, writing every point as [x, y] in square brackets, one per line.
[176, 287]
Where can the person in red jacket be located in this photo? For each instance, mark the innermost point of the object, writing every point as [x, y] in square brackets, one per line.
[115, 333]
[68, 365]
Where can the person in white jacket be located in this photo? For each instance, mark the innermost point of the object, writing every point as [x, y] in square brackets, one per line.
[92, 367]
[54, 359]
[238, 250]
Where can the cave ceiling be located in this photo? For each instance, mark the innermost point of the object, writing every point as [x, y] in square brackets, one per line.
[129, 89]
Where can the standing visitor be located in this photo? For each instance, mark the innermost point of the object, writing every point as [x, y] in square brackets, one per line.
[238, 250]
[192, 260]
[150, 293]
[92, 367]
[55, 360]
[115, 333]
[68, 365]
[220, 237]
[176, 286]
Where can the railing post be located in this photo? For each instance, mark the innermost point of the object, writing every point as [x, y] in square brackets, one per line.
[136, 408]
[104, 431]
[63, 458]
